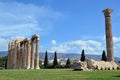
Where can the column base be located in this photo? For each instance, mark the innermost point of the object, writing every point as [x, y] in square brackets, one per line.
[28, 67]
[37, 67]
[32, 68]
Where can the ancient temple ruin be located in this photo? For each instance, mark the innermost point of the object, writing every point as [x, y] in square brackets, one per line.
[24, 53]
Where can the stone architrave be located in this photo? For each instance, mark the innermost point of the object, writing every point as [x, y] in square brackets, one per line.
[109, 40]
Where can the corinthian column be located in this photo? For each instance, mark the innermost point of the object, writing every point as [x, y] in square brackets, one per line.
[37, 54]
[21, 55]
[32, 54]
[25, 56]
[12, 55]
[15, 55]
[109, 40]
[28, 54]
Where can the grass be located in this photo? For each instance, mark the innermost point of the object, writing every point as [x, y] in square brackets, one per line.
[59, 74]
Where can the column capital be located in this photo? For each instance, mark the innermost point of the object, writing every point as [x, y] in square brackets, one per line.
[35, 36]
[107, 12]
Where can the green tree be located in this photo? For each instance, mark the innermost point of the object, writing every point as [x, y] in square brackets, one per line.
[46, 60]
[55, 63]
[3, 62]
[83, 56]
[68, 63]
[104, 58]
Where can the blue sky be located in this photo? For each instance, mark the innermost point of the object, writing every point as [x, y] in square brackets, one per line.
[65, 26]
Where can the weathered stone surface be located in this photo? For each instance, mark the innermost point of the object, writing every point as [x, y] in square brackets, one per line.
[101, 65]
[21, 53]
[109, 40]
[82, 66]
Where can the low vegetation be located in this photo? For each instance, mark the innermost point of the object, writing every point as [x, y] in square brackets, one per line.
[59, 74]
[3, 62]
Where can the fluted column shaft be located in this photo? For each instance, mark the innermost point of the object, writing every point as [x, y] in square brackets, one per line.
[37, 54]
[28, 54]
[21, 50]
[32, 54]
[18, 56]
[12, 55]
[15, 56]
[109, 39]
[25, 56]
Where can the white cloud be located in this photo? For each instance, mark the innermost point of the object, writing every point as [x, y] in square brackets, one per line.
[18, 19]
[53, 42]
[3, 44]
[116, 39]
[62, 48]
[90, 46]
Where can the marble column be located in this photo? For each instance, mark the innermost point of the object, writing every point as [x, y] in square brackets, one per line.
[32, 54]
[28, 54]
[18, 55]
[12, 55]
[21, 54]
[25, 56]
[15, 55]
[37, 54]
[109, 40]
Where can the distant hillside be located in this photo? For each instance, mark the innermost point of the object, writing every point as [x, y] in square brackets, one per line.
[3, 53]
[73, 56]
[65, 55]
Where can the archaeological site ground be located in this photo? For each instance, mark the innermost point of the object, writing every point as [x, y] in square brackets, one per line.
[59, 74]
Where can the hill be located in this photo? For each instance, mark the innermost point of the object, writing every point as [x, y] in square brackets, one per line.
[66, 55]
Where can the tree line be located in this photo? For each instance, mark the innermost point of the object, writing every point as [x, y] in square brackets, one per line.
[55, 62]
[68, 62]
[3, 61]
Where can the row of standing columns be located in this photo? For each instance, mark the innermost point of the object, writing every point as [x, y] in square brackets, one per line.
[21, 53]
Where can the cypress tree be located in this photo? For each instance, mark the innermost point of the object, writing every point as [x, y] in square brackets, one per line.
[55, 63]
[68, 63]
[46, 60]
[83, 56]
[104, 58]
